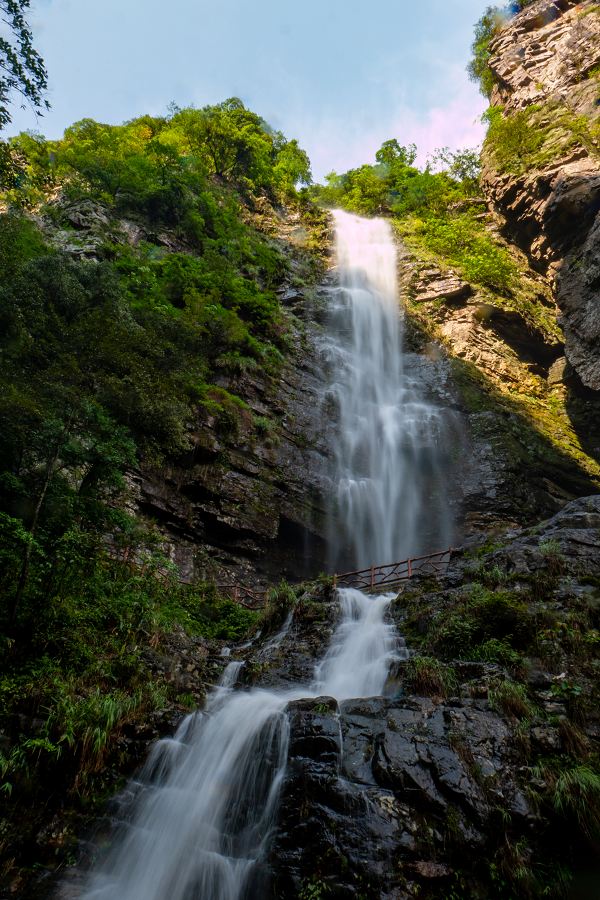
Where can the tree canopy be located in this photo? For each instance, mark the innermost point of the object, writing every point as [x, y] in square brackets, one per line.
[22, 69]
[105, 361]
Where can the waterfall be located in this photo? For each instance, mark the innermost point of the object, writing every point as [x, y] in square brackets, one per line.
[205, 805]
[207, 798]
[389, 440]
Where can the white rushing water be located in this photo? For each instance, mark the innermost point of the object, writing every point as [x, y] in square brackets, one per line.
[207, 798]
[389, 440]
[205, 805]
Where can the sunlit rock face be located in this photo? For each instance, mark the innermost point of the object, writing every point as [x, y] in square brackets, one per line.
[545, 61]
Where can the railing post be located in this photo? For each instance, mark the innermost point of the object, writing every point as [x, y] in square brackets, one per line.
[409, 565]
[335, 582]
[372, 576]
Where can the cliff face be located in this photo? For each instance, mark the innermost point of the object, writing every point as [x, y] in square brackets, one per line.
[242, 504]
[541, 160]
[530, 439]
[249, 491]
[443, 787]
[249, 504]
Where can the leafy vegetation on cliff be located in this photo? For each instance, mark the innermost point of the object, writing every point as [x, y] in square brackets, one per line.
[135, 287]
[486, 28]
[106, 359]
[537, 136]
[439, 214]
[437, 208]
[528, 623]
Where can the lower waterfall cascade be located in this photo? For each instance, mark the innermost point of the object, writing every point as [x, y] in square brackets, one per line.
[207, 798]
[204, 808]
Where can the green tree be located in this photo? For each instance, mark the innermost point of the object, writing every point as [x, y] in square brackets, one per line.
[292, 167]
[22, 69]
[464, 166]
[391, 153]
[485, 30]
[478, 68]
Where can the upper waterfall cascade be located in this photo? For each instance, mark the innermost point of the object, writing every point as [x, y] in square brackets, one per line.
[389, 442]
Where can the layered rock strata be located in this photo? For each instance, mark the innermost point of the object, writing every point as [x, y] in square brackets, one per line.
[545, 62]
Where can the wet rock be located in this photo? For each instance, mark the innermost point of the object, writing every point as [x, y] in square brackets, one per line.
[427, 869]
[315, 732]
[402, 770]
[546, 738]
[572, 535]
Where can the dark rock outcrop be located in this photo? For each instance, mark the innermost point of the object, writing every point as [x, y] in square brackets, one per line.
[424, 793]
[381, 794]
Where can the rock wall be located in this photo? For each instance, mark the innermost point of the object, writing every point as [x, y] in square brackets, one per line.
[250, 505]
[246, 502]
[445, 789]
[546, 63]
[521, 455]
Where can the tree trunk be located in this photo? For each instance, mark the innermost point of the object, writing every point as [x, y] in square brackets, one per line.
[22, 583]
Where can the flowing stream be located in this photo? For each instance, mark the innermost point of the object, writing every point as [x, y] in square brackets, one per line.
[205, 805]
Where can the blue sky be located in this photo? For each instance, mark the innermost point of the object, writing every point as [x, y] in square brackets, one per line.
[340, 75]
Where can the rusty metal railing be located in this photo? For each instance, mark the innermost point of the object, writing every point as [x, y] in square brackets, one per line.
[391, 574]
[373, 578]
[245, 596]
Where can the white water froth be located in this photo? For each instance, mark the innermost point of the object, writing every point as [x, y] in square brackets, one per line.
[389, 441]
[207, 799]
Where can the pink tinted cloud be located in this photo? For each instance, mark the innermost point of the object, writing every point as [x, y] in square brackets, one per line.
[456, 125]
[343, 145]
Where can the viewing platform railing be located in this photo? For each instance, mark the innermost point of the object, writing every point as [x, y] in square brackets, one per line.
[391, 574]
[375, 578]
[251, 599]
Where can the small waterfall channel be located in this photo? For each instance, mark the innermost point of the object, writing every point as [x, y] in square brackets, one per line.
[205, 805]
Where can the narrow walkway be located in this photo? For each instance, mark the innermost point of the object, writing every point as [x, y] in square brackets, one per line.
[375, 578]
[391, 574]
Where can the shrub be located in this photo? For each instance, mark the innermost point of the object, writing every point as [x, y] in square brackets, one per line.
[498, 651]
[478, 68]
[576, 796]
[280, 600]
[512, 139]
[486, 29]
[511, 698]
[463, 242]
[429, 677]
[483, 621]
[553, 556]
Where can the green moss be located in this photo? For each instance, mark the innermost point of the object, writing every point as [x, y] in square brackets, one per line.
[504, 279]
[536, 429]
[462, 241]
